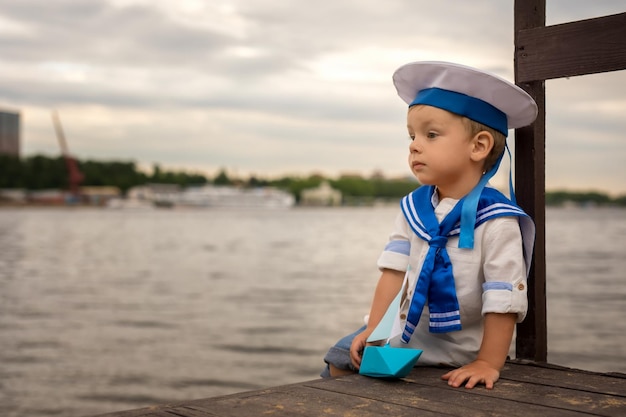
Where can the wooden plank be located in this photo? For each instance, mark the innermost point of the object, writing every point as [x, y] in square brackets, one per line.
[303, 401]
[152, 411]
[434, 395]
[523, 390]
[575, 48]
[187, 411]
[532, 334]
[576, 379]
[424, 390]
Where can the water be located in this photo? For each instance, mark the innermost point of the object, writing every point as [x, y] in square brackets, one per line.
[109, 310]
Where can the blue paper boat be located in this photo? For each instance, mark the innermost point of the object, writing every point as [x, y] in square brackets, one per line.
[388, 362]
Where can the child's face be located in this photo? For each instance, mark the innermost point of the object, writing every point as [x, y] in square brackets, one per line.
[440, 150]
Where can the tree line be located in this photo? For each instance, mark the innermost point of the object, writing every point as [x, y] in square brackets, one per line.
[41, 172]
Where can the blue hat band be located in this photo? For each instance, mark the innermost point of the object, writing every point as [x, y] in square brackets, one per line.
[473, 108]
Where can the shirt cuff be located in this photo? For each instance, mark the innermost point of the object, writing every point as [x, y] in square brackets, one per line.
[395, 256]
[504, 297]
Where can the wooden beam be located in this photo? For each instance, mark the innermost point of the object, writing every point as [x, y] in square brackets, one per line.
[532, 340]
[576, 48]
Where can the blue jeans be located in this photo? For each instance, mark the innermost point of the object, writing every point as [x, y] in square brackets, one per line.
[339, 355]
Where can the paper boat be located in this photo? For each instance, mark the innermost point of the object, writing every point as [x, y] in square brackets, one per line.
[388, 362]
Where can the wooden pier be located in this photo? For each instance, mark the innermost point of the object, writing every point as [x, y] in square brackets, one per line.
[523, 390]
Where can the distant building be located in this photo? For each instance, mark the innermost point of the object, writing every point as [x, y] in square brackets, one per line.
[13, 196]
[9, 133]
[99, 195]
[154, 192]
[323, 195]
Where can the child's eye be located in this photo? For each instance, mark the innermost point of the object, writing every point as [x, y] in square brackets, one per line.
[432, 135]
[412, 137]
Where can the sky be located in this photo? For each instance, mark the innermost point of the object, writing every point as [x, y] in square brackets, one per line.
[279, 87]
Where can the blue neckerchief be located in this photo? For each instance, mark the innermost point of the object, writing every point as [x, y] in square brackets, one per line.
[435, 282]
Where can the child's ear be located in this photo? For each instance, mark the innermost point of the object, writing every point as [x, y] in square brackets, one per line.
[482, 144]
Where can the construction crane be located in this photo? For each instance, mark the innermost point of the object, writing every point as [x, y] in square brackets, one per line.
[75, 177]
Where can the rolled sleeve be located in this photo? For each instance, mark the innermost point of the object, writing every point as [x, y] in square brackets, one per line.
[505, 286]
[502, 297]
[395, 256]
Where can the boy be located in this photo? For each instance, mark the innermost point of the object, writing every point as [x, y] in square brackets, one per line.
[460, 252]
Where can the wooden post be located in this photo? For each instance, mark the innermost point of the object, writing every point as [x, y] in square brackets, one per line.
[575, 48]
[532, 339]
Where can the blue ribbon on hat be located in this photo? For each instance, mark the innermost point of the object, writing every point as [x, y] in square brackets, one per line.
[470, 205]
[464, 105]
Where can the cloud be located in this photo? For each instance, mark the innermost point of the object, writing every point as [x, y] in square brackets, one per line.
[264, 86]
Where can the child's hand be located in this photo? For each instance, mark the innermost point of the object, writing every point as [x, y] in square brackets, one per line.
[358, 345]
[356, 349]
[477, 372]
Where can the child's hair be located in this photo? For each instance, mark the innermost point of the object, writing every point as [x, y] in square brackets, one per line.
[499, 140]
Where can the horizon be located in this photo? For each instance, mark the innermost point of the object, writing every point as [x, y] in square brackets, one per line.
[499, 181]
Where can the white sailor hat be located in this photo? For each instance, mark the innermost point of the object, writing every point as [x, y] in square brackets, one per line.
[475, 94]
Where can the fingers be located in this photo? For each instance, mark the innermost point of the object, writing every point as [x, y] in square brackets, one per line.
[472, 381]
[356, 353]
[475, 380]
[356, 359]
[457, 377]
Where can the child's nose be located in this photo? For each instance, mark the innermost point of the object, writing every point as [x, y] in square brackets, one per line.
[415, 146]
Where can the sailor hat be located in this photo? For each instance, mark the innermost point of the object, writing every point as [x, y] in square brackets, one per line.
[475, 94]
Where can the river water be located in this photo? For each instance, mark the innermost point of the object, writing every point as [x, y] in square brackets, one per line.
[104, 310]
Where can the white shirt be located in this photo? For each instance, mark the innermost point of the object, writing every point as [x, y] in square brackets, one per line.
[491, 278]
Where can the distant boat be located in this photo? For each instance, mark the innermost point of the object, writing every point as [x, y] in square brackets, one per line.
[232, 197]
